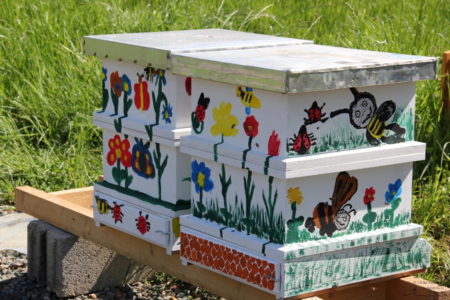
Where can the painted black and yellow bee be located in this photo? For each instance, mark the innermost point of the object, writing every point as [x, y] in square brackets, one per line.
[149, 73]
[248, 99]
[325, 216]
[102, 205]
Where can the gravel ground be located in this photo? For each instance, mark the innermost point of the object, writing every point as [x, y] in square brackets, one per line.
[15, 284]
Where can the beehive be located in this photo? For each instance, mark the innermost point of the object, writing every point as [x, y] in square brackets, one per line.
[301, 165]
[145, 111]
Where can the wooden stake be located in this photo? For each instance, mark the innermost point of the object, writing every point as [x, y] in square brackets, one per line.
[445, 80]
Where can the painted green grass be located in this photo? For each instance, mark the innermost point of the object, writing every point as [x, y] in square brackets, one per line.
[49, 89]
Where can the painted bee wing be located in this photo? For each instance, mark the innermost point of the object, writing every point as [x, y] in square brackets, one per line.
[386, 110]
[344, 189]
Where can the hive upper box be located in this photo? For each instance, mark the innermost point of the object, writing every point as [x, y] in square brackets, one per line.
[155, 48]
[304, 68]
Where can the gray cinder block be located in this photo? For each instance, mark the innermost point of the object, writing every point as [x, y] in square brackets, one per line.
[75, 266]
[37, 253]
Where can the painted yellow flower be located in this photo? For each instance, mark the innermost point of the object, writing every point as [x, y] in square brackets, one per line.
[295, 195]
[226, 123]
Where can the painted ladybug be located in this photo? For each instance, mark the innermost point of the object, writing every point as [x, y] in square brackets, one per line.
[315, 114]
[117, 213]
[303, 141]
[202, 105]
[142, 225]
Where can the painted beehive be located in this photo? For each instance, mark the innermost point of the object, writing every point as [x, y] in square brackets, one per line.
[146, 109]
[301, 169]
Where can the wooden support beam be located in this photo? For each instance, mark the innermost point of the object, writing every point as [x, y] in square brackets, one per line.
[445, 80]
[70, 210]
[413, 288]
[79, 221]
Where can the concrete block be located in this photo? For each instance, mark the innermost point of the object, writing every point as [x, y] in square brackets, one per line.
[75, 266]
[37, 253]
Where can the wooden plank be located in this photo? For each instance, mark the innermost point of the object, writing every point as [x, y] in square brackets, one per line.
[369, 288]
[445, 79]
[81, 197]
[413, 288]
[78, 220]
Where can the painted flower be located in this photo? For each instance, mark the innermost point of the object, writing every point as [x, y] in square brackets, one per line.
[188, 85]
[167, 113]
[104, 74]
[202, 105]
[251, 126]
[226, 123]
[126, 84]
[160, 75]
[116, 83]
[200, 176]
[119, 149]
[142, 162]
[141, 95]
[295, 195]
[395, 190]
[274, 144]
[369, 196]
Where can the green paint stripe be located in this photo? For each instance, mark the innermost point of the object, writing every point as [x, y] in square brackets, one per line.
[181, 204]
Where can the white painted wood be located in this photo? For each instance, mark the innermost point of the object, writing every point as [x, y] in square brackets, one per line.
[318, 164]
[157, 224]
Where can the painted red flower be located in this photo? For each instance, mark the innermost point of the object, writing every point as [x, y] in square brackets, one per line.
[369, 195]
[188, 85]
[119, 149]
[116, 83]
[251, 126]
[274, 144]
[141, 95]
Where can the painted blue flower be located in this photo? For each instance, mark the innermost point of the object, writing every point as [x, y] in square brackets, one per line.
[105, 72]
[167, 113]
[126, 84]
[141, 160]
[395, 190]
[160, 74]
[200, 176]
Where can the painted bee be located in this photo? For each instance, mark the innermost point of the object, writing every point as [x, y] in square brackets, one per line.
[315, 114]
[248, 99]
[329, 218]
[102, 205]
[364, 113]
[303, 141]
[149, 73]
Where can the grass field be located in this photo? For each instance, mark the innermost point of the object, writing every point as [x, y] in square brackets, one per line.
[49, 89]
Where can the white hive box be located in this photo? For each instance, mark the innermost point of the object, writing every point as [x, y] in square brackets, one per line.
[301, 161]
[146, 109]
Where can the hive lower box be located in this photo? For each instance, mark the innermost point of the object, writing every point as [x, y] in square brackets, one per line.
[340, 219]
[312, 266]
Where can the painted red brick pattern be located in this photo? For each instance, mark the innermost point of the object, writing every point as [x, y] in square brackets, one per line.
[228, 261]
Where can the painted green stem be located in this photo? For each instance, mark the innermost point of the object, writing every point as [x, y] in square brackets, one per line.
[266, 164]
[215, 149]
[196, 124]
[126, 104]
[244, 155]
[160, 167]
[270, 207]
[115, 101]
[225, 185]
[249, 188]
[105, 96]
[200, 207]
[294, 209]
[156, 107]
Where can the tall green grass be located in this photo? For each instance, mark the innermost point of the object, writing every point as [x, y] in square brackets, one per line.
[48, 89]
